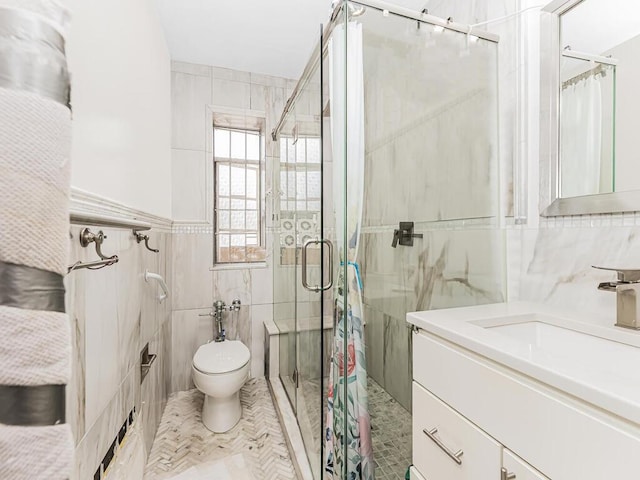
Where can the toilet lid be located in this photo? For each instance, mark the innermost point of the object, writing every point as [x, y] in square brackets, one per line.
[221, 357]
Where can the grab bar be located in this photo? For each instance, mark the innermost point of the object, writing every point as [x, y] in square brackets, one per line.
[154, 276]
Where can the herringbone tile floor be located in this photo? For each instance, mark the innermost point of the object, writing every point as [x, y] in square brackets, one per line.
[182, 441]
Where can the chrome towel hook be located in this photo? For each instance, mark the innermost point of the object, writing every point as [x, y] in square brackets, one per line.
[140, 237]
[86, 238]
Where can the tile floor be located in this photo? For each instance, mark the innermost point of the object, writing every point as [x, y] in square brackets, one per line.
[390, 428]
[182, 441]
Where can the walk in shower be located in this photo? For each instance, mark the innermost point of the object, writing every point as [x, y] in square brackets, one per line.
[387, 196]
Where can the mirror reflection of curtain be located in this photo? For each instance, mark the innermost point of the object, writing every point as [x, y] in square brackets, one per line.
[581, 137]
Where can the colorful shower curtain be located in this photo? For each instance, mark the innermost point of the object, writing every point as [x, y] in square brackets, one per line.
[348, 427]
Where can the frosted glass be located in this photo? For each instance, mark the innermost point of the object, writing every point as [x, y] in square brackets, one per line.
[252, 183]
[237, 181]
[313, 184]
[238, 145]
[237, 204]
[252, 239]
[223, 240]
[252, 220]
[237, 221]
[221, 143]
[252, 205]
[283, 149]
[223, 219]
[313, 150]
[291, 151]
[238, 241]
[301, 151]
[253, 146]
[223, 203]
[301, 185]
[223, 180]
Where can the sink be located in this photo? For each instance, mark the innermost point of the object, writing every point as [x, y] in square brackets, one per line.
[595, 363]
[541, 335]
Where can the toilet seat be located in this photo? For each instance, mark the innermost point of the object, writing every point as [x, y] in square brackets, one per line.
[216, 358]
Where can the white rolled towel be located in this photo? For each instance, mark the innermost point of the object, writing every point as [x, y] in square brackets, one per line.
[50, 11]
[35, 347]
[30, 453]
[35, 139]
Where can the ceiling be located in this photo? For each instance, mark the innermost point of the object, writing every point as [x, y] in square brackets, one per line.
[273, 37]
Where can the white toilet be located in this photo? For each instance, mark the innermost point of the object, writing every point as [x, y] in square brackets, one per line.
[220, 369]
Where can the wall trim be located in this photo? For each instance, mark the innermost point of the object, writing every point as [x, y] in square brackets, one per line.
[90, 203]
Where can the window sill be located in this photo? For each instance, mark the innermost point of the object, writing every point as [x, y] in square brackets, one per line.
[239, 266]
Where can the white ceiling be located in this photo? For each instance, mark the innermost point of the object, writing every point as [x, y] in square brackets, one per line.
[274, 37]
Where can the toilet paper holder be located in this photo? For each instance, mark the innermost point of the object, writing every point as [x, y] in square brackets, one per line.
[146, 360]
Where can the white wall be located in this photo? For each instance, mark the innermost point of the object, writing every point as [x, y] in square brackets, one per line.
[121, 100]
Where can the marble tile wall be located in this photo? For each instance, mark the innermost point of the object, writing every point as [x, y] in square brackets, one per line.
[114, 313]
[199, 91]
[432, 158]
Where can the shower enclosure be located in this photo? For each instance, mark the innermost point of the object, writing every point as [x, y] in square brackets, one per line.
[393, 120]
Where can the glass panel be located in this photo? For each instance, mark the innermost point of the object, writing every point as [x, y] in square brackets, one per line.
[238, 147]
[253, 146]
[237, 181]
[221, 143]
[252, 182]
[222, 185]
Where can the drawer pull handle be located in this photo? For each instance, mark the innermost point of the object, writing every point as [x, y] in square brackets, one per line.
[455, 456]
[505, 475]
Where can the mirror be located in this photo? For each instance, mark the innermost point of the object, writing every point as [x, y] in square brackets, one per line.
[592, 75]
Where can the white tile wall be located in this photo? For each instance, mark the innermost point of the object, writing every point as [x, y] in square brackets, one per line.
[197, 92]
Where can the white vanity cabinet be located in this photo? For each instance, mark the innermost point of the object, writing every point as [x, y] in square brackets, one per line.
[515, 468]
[478, 416]
[446, 446]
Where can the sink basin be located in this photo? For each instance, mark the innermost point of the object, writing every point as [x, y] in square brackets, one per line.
[598, 364]
[539, 334]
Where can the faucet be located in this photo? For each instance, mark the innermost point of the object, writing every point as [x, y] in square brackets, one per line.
[627, 290]
[219, 308]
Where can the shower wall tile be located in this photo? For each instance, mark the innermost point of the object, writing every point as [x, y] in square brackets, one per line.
[397, 360]
[188, 177]
[374, 341]
[189, 95]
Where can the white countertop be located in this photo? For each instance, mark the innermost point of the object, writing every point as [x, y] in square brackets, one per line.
[605, 374]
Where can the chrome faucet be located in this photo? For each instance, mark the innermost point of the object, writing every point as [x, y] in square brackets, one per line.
[627, 290]
[219, 308]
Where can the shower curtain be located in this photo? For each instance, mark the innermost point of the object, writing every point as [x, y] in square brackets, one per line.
[581, 138]
[348, 427]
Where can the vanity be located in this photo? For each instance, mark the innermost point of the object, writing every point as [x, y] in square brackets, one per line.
[523, 391]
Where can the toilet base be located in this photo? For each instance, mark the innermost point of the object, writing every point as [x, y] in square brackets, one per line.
[221, 414]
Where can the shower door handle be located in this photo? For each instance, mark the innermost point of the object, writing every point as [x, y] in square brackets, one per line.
[305, 249]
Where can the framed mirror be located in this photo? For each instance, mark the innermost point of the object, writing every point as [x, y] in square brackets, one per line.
[590, 160]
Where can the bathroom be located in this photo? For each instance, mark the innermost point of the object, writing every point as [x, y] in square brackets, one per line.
[206, 205]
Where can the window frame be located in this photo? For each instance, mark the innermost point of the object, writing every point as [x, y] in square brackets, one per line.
[244, 163]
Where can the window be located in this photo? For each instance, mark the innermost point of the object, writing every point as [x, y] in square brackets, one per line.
[300, 196]
[239, 236]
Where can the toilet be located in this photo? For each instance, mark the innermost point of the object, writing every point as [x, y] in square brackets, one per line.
[220, 369]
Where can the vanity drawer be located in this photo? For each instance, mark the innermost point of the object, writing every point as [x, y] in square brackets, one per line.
[561, 436]
[452, 447]
[518, 468]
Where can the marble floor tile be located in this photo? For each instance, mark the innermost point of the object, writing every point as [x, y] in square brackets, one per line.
[183, 441]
